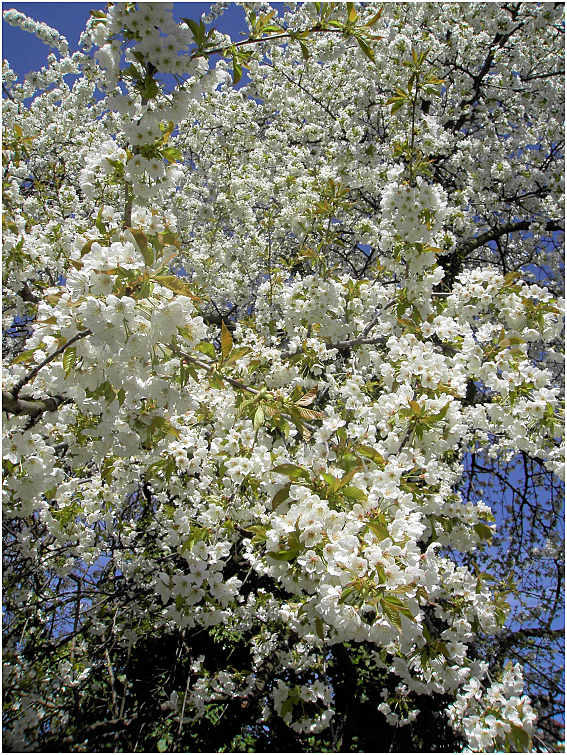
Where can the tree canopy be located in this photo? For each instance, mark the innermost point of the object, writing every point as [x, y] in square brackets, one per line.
[282, 386]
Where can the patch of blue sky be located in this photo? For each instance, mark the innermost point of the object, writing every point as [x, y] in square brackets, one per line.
[26, 53]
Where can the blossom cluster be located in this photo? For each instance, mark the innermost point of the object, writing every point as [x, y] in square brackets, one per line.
[262, 352]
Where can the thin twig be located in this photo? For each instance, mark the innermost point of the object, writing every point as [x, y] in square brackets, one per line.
[112, 686]
[250, 41]
[209, 369]
[182, 714]
[358, 342]
[30, 376]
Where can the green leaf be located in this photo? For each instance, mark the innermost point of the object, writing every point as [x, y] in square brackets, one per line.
[379, 527]
[196, 30]
[69, 359]
[372, 453]
[258, 418]
[319, 628]
[332, 481]
[24, 356]
[162, 745]
[237, 353]
[355, 494]
[206, 348]
[292, 471]
[441, 414]
[150, 88]
[177, 285]
[226, 341]
[216, 381]
[281, 496]
[375, 18]
[395, 609]
[287, 706]
[107, 470]
[346, 478]
[236, 72]
[483, 531]
[165, 128]
[145, 249]
[258, 531]
[304, 50]
[172, 154]
[519, 739]
[160, 428]
[101, 228]
[284, 555]
[186, 370]
[366, 49]
[352, 14]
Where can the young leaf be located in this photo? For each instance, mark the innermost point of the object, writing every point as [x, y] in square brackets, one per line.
[375, 18]
[372, 453]
[352, 14]
[172, 154]
[309, 413]
[177, 285]
[308, 399]
[284, 555]
[69, 359]
[236, 72]
[291, 470]
[226, 341]
[258, 418]
[366, 49]
[207, 348]
[346, 478]
[237, 353]
[332, 481]
[24, 356]
[281, 496]
[145, 249]
[355, 494]
[379, 528]
[483, 531]
[415, 407]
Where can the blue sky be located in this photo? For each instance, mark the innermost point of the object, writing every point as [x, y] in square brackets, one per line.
[26, 53]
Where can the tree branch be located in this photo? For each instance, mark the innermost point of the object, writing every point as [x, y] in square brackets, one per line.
[31, 407]
[495, 233]
[30, 376]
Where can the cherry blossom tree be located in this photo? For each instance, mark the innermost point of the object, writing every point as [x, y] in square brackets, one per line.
[282, 381]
